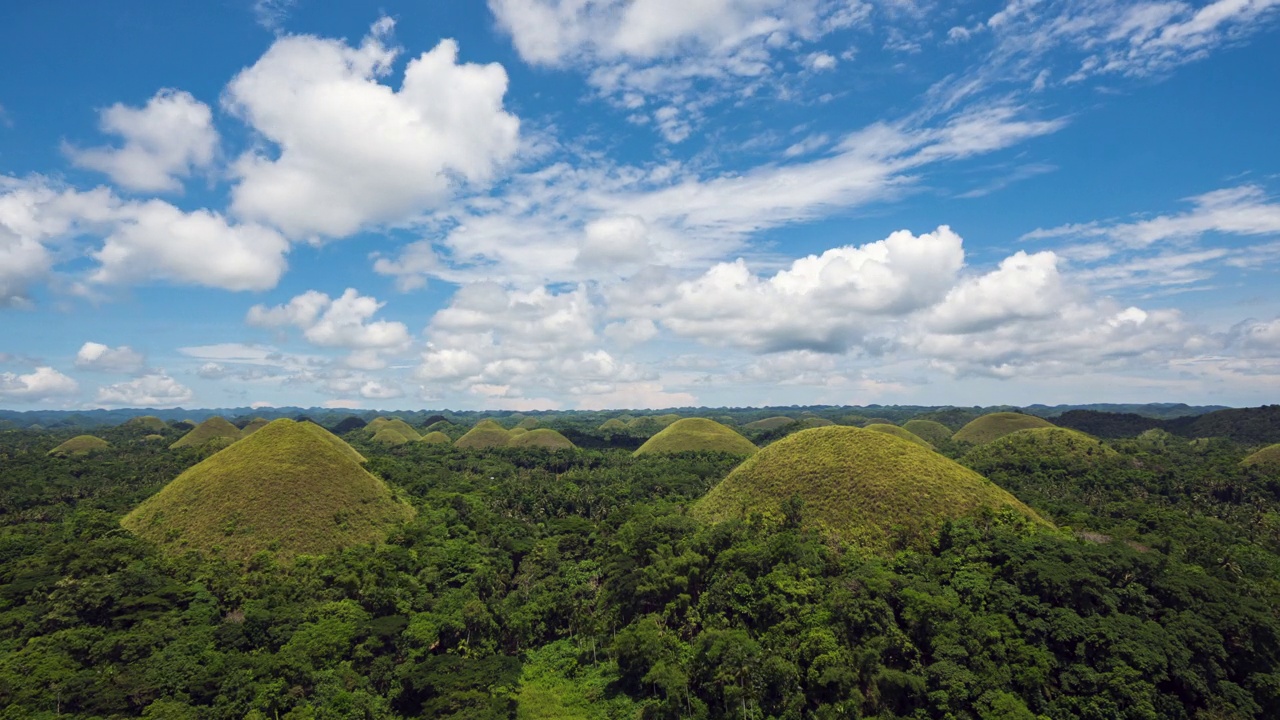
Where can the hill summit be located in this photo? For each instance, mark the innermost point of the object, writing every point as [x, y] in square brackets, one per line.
[996, 425]
[214, 431]
[81, 445]
[291, 488]
[859, 484]
[697, 435]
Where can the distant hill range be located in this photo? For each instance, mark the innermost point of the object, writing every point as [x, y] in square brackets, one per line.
[1244, 425]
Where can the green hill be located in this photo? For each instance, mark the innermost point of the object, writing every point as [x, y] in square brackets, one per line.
[389, 436]
[347, 424]
[770, 423]
[289, 488]
[146, 422]
[516, 431]
[859, 484]
[396, 424]
[697, 435]
[997, 425]
[439, 425]
[815, 421]
[485, 434]
[542, 438]
[253, 426]
[612, 425]
[435, 437]
[528, 423]
[899, 432]
[931, 431]
[652, 421]
[1039, 448]
[215, 430]
[1269, 455]
[81, 445]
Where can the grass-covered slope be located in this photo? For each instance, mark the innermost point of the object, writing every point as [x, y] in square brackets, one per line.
[899, 432]
[612, 425]
[997, 425]
[394, 424]
[528, 423]
[485, 434]
[1028, 452]
[815, 421]
[215, 430]
[769, 423]
[389, 436]
[697, 435]
[253, 426]
[544, 438]
[931, 431]
[1269, 455]
[81, 445]
[435, 437]
[289, 488]
[856, 483]
[146, 422]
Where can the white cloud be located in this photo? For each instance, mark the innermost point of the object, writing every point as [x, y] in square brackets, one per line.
[342, 322]
[212, 371]
[154, 390]
[164, 141]
[1256, 336]
[44, 383]
[96, 356]
[374, 390]
[271, 14]
[350, 151]
[1024, 287]
[637, 395]
[820, 61]
[35, 218]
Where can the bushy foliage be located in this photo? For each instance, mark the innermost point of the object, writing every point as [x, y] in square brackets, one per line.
[997, 425]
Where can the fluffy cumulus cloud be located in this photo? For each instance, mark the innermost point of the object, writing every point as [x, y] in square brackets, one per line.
[349, 150]
[342, 322]
[123, 359]
[152, 390]
[36, 219]
[41, 385]
[821, 302]
[164, 141]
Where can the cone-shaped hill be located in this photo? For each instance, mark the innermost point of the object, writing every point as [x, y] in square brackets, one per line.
[150, 423]
[389, 436]
[290, 488]
[696, 435]
[394, 424]
[528, 423]
[612, 425]
[81, 445]
[435, 437]
[997, 425]
[1269, 455]
[769, 423]
[486, 434]
[931, 431]
[253, 426]
[1043, 448]
[856, 483]
[544, 438]
[347, 424]
[215, 430]
[899, 432]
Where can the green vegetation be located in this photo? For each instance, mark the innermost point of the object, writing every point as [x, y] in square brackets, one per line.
[612, 425]
[253, 426]
[1060, 446]
[286, 490]
[860, 485]
[541, 438]
[769, 423]
[528, 423]
[216, 431]
[440, 426]
[389, 436]
[931, 431]
[146, 422]
[435, 437]
[513, 432]
[652, 422]
[815, 422]
[697, 435]
[898, 432]
[485, 434]
[393, 424]
[81, 445]
[997, 425]
[1269, 455]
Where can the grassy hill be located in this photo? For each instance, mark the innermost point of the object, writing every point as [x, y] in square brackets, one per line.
[859, 484]
[485, 434]
[1269, 455]
[899, 432]
[528, 423]
[697, 434]
[769, 423]
[815, 422]
[289, 488]
[542, 438]
[349, 423]
[215, 430]
[146, 422]
[612, 425]
[253, 426]
[395, 424]
[1040, 448]
[435, 437]
[389, 436]
[997, 425]
[931, 431]
[81, 445]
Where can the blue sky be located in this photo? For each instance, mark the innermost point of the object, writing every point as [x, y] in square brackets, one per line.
[530, 204]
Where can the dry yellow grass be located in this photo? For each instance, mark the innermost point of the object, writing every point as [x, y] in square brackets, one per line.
[997, 425]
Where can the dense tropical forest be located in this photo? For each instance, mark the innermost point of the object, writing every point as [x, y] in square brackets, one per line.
[579, 565]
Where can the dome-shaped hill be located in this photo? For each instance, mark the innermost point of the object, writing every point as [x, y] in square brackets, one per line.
[486, 434]
[349, 423]
[815, 421]
[544, 438]
[253, 426]
[528, 423]
[290, 488]
[769, 423]
[81, 445]
[855, 483]
[612, 425]
[1269, 455]
[931, 431]
[214, 430]
[696, 435]
[396, 424]
[997, 425]
[389, 436]
[152, 438]
[435, 437]
[146, 422]
[513, 432]
[899, 432]
[439, 425]
[1070, 450]
[652, 421]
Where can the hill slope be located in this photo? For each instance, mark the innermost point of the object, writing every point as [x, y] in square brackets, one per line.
[856, 483]
[215, 430]
[898, 432]
[394, 424]
[81, 445]
[931, 431]
[544, 438]
[485, 434]
[697, 435]
[997, 425]
[1269, 455]
[289, 488]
